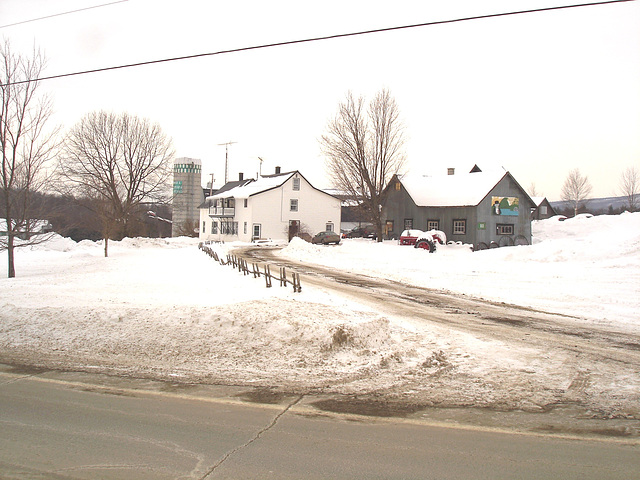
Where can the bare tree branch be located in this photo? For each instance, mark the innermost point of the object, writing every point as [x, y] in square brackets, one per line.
[118, 162]
[364, 149]
[575, 190]
[630, 188]
[26, 148]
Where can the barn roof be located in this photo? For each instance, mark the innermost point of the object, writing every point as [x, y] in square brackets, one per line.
[459, 190]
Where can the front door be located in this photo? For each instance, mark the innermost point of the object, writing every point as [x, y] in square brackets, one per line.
[257, 231]
[294, 228]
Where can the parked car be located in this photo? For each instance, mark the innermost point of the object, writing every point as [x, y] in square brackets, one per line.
[326, 238]
[368, 231]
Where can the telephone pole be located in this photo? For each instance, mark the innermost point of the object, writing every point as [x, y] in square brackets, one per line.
[226, 160]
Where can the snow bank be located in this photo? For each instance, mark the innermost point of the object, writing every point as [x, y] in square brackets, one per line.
[161, 308]
[585, 267]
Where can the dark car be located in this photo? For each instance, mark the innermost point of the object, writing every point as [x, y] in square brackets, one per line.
[325, 238]
[363, 232]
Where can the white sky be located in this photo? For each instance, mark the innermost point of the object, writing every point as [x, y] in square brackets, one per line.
[539, 94]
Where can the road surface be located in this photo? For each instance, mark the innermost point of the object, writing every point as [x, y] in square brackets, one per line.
[58, 425]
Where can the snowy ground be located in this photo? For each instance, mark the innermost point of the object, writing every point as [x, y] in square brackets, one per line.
[161, 308]
[586, 267]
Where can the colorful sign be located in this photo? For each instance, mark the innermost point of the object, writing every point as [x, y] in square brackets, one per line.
[505, 206]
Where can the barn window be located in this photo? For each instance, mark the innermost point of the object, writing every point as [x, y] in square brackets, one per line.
[543, 210]
[408, 223]
[397, 186]
[459, 227]
[504, 229]
[433, 224]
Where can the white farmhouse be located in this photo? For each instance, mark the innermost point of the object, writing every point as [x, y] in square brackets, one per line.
[275, 207]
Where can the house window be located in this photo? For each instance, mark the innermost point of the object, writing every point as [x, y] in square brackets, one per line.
[329, 227]
[388, 227]
[245, 228]
[246, 200]
[214, 227]
[408, 223]
[459, 227]
[433, 224]
[296, 183]
[293, 205]
[504, 229]
[229, 228]
[204, 227]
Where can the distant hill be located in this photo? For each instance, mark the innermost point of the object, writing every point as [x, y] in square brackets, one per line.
[597, 206]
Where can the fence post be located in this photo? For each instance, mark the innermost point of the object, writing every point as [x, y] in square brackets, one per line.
[296, 282]
[267, 275]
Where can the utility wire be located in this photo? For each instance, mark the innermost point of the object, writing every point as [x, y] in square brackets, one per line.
[60, 14]
[317, 39]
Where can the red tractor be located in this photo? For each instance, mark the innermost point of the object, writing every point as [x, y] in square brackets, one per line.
[426, 240]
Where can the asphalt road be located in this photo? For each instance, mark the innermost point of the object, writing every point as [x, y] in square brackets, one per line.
[58, 425]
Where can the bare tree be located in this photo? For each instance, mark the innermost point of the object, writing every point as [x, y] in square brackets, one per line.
[364, 148]
[118, 162]
[533, 190]
[26, 147]
[630, 188]
[575, 190]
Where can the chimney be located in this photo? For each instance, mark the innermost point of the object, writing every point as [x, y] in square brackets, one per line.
[241, 176]
[451, 171]
[277, 170]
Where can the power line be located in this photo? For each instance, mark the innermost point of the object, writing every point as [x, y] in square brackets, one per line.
[60, 14]
[318, 39]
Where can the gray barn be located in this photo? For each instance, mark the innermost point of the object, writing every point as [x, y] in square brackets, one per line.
[484, 209]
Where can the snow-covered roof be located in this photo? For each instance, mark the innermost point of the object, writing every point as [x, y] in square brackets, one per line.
[462, 189]
[35, 226]
[538, 200]
[255, 186]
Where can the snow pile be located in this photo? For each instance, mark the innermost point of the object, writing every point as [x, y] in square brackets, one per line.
[585, 267]
[162, 308]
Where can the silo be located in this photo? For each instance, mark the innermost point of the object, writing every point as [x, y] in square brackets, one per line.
[187, 195]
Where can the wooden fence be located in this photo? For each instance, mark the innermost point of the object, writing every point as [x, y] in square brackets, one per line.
[242, 266]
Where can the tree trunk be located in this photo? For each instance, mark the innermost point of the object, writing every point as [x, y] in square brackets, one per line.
[106, 246]
[12, 269]
[379, 232]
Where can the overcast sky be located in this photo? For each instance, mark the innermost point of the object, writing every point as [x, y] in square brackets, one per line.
[539, 94]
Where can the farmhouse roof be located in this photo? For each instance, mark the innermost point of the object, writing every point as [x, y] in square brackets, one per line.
[247, 188]
[459, 190]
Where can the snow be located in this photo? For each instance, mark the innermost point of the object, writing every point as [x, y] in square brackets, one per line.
[255, 186]
[451, 190]
[162, 308]
[586, 267]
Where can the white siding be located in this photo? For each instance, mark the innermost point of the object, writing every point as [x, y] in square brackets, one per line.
[271, 210]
